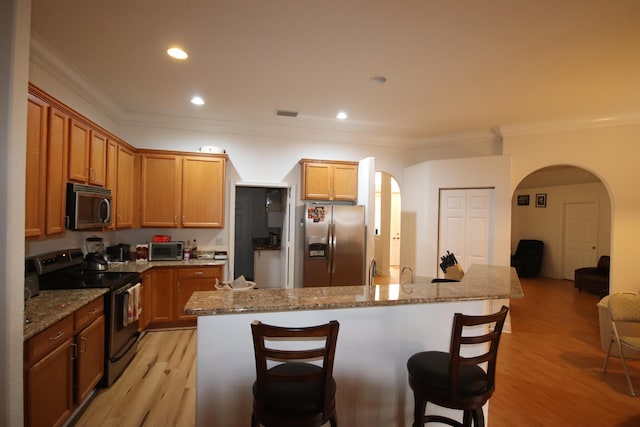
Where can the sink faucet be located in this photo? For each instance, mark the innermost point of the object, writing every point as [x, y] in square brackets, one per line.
[402, 272]
[372, 271]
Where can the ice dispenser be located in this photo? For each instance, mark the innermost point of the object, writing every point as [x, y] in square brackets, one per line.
[317, 247]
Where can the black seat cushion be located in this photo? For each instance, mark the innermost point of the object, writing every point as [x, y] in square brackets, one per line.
[430, 371]
[295, 397]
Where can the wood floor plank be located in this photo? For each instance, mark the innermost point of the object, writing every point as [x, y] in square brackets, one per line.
[549, 371]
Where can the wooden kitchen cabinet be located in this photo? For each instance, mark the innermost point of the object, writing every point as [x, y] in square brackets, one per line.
[90, 357]
[97, 159]
[67, 356]
[203, 176]
[79, 137]
[57, 154]
[160, 188]
[112, 179]
[87, 154]
[125, 189]
[35, 179]
[190, 280]
[329, 180]
[46, 169]
[49, 375]
[162, 302]
[182, 190]
[145, 300]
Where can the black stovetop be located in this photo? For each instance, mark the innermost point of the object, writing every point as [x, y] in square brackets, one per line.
[66, 269]
[84, 279]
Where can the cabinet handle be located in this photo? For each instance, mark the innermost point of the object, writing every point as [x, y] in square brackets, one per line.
[94, 311]
[83, 341]
[56, 336]
[74, 354]
[198, 272]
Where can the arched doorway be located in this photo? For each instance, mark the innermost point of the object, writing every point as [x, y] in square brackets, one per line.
[387, 238]
[569, 209]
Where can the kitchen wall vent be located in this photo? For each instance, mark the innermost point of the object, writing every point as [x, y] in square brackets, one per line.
[286, 113]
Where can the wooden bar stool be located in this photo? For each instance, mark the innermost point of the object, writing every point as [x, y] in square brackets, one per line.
[454, 381]
[289, 390]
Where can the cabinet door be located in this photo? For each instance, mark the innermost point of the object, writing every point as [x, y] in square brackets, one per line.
[345, 182]
[317, 181]
[57, 155]
[90, 358]
[160, 190]
[97, 159]
[36, 167]
[194, 279]
[125, 189]
[162, 305]
[79, 151]
[48, 386]
[112, 180]
[145, 300]
[203, 176]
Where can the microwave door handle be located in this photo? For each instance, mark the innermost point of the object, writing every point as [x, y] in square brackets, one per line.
[106, 203]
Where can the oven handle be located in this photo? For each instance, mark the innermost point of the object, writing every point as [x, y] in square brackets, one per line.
[126, 287]
[132, 341]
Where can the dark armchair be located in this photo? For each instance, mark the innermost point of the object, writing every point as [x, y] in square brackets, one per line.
[594, 279]
[528, 258]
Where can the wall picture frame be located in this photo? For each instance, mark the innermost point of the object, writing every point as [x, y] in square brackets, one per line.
[541, 200]
[523, 200]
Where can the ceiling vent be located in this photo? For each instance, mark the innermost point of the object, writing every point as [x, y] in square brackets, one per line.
[286, 113]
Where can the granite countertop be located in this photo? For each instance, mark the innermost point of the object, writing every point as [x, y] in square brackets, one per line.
[53, 305]
[481, 282]
[49, 307]
[140, 267]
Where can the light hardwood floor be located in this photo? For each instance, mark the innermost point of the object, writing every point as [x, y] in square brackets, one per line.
[549, 371]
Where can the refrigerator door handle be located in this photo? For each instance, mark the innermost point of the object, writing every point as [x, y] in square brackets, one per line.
[329, 248]
[333, 248]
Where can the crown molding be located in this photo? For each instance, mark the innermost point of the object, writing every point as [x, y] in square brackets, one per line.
[584, 123]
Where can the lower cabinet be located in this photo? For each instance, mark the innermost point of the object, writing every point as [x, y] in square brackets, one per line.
[67, 356]
[171, 288]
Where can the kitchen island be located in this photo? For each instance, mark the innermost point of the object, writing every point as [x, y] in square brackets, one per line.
[380, 328]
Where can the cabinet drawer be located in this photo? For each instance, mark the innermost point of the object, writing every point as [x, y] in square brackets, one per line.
[200, 272]
[48, 339]
[89, 313]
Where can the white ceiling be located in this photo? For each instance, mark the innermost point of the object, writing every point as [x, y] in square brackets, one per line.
[452, 67]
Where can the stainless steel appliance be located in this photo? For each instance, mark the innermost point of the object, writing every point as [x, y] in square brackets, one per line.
[66, 270]
[334, 245]
[88, 207]
[166, 251]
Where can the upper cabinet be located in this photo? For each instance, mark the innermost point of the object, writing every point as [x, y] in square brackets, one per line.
[180, 190]
[329, 180]
[203, 176]
[123, 181]
[46, 169]
[87, 154]
[35, 194]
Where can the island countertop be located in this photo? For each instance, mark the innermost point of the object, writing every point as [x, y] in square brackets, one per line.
[481, 282]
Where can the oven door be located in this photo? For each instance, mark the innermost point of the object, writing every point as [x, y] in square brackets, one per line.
[124, 326]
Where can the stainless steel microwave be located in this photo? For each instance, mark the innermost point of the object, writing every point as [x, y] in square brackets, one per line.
[165, 251]
[88, 207]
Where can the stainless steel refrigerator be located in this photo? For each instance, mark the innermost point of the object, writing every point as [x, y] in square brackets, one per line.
[334, 245]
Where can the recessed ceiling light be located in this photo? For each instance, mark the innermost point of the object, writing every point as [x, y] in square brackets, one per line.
[177, 53]
[197, 100]
[341, 115]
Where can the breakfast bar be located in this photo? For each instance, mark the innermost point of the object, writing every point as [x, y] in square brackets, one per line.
[380, 328]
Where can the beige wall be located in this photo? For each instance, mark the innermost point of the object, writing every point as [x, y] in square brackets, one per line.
[547, 224]
[612, 154]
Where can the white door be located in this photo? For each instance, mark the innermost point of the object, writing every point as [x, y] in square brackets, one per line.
[394, 255]
[580, 236]
[466, 217]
